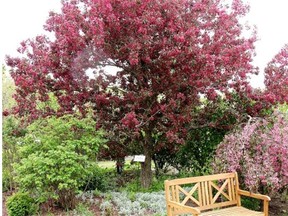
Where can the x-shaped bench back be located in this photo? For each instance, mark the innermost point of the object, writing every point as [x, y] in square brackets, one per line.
[205, 192]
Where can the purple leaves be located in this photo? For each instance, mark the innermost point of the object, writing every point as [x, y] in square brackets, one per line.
[130, 120]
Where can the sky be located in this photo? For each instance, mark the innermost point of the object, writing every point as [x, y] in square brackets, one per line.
[24, 19]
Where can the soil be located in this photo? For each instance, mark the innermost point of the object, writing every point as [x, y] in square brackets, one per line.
[278, 207]
[4, 196]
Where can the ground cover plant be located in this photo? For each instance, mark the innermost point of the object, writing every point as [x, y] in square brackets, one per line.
[138, 203]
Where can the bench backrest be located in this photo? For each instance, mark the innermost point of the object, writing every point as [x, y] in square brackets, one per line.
[204, 192]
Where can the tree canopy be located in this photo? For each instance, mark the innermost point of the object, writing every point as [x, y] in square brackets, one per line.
[276, 76]
[169, 55]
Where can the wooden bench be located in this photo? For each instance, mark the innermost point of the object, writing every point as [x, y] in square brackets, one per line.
[211, 195]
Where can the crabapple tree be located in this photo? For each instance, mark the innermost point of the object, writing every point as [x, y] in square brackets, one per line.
[167, 55]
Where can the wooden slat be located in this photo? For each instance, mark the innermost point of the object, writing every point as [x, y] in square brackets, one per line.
[177, 194]
[203, 193]
[168, 197]
[233, 188]
[233, 211]
[182, 208]
[238, 198]
[229, 189]
[173, 198]
[192, 180]
[218, 205]
[254, 195]
[265, 207]
[206, 189]
[220, 191]
[210, 192]
[189, 195]
[200, 195]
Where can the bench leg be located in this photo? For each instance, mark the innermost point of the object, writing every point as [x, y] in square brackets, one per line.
[265, 207]
[169, 211]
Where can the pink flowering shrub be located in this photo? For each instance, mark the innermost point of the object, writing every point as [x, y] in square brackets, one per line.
[258, 152]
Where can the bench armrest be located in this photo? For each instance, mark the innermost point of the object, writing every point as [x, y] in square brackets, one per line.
[187, 209]
[265, 199]
[254, 195]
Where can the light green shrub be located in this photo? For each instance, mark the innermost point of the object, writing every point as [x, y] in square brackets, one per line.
[21, 204]
[57, 156]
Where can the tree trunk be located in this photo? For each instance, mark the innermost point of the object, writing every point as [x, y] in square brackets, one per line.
[146, 171]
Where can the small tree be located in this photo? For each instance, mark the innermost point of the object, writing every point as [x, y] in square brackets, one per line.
[57, 155]
[11, 131]
[258, 152]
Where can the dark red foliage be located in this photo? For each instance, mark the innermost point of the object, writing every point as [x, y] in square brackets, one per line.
[5, 113]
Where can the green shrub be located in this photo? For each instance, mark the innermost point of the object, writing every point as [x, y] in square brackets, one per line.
[194, 156]
[250, 203]
[99, 179]
[12, 134]
[21, 204]
[134, 186]
[57, 156]
[157, 185]
[6, 180]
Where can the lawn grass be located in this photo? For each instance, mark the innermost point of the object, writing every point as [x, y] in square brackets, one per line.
[112, 164]
[107, 164]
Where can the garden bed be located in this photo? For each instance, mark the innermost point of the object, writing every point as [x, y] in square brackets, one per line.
[104, 204]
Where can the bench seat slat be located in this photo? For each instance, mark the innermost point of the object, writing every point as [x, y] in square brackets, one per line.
[218, 205]
[233, 211]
